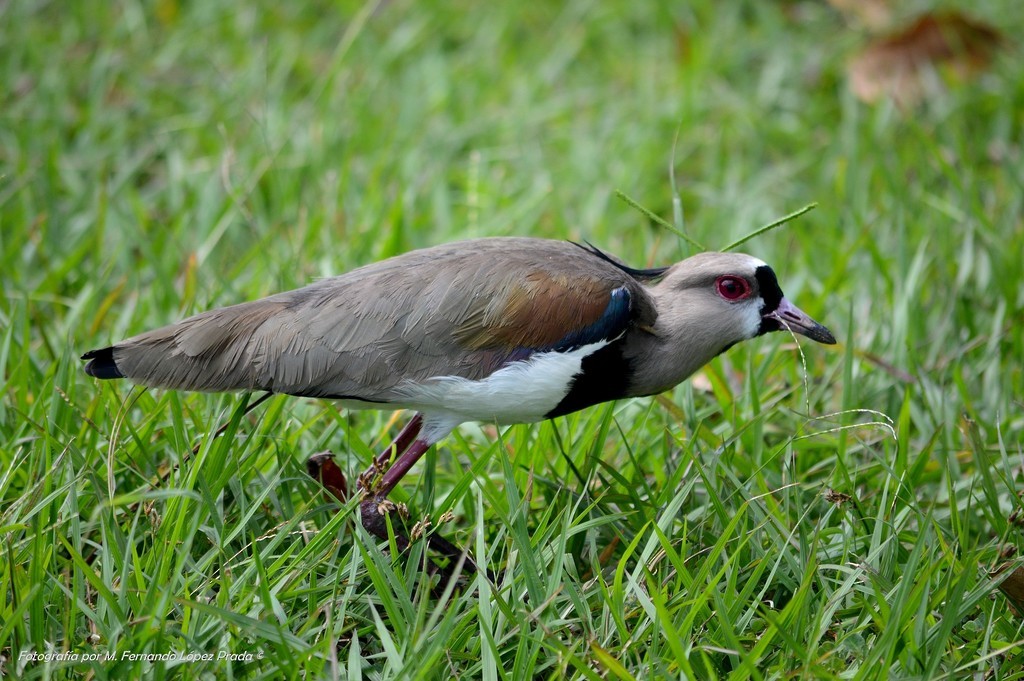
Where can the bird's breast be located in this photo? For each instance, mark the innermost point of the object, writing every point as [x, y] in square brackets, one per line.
[604, 375]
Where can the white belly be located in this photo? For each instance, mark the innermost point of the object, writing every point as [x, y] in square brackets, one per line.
[521, 392]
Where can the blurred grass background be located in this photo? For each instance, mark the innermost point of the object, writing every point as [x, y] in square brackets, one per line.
[159, 158]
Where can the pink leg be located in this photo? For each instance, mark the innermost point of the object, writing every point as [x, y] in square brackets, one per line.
[373, 510]
[402, 441]
[402, 465]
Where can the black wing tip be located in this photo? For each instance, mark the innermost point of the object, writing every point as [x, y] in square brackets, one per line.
[101, 364]
[642, 274]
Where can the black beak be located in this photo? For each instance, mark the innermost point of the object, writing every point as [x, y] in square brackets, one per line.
[789, 316]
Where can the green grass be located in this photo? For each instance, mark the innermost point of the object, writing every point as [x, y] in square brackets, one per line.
[158, 159]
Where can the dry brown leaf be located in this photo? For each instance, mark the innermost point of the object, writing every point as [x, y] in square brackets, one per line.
[1013, 586]
[322, 468]
[904, 66]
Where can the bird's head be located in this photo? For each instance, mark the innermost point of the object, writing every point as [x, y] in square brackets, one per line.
[731, 297]
[706, 304]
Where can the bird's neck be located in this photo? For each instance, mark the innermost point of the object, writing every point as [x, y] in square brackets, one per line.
[679, 343]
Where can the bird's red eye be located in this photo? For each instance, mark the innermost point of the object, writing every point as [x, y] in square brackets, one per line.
[732, 288]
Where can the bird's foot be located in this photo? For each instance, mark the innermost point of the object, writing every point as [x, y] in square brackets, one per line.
[375, 509]
[373, 513]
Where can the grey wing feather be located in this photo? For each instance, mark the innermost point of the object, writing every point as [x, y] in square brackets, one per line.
[361, 334]
[288, 343]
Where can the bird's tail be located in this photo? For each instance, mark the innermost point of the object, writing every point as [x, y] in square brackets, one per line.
[101, 363]
[216, 351]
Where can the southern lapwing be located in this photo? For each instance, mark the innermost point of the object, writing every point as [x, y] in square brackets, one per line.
[503, 330]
